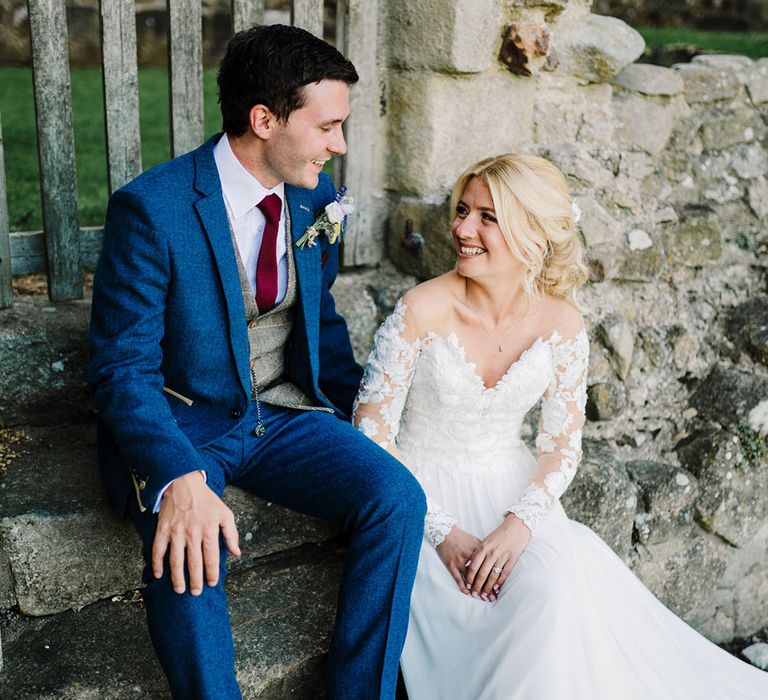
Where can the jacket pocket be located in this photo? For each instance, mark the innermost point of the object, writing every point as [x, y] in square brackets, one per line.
[179, 396]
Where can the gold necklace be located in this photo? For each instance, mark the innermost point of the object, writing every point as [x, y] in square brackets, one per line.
[488, 332]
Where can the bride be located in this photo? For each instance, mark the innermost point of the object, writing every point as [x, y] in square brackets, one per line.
[512, 600]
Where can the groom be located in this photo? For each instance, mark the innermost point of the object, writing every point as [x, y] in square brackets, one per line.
[217, 357]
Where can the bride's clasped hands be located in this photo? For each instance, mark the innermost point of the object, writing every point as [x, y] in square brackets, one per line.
[493, 561]
[480, 567]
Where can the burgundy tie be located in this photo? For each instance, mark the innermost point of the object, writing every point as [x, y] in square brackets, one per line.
[266, 267]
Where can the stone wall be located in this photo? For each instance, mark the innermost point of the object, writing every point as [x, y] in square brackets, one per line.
[670, 168]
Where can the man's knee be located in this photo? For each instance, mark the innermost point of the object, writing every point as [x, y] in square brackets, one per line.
[400, 494]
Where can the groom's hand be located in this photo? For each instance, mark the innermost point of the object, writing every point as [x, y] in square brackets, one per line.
[454, 551]
[190, 518]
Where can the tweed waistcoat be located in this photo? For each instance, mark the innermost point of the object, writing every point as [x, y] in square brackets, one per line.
[267, 335]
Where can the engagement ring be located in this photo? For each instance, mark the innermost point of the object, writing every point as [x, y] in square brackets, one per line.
[498, 569]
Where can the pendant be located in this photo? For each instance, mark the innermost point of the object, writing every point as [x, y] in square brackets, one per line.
[259, 430]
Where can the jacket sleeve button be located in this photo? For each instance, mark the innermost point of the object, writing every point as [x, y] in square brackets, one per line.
[235, 413]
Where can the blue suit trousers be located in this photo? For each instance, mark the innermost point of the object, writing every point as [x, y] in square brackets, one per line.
[314, 463]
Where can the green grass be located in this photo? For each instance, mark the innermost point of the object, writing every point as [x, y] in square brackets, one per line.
[20, 139]
[752, 44]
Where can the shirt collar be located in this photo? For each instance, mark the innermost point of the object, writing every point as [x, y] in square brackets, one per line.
[242, 191]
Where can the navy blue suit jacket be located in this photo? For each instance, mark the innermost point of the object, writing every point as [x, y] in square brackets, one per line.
[168, 311]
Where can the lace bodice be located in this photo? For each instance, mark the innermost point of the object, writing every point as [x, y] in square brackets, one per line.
[421, 397]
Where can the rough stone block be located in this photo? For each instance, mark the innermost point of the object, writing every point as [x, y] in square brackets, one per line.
[43, 356]
[643, 122]
[739, 223]
[757, 82]
[723, 129]
[618, 337]
[750, 160]
[433, 223]
[67, 549]
[7, 593]
[733, 61]
[430, 112]
[747, 576]
[758, 198]
[704, 84]
[727, 396]
[442, 35]
[734, 484]
[696, 241]
[566, 112]
[67, 561]
[666, 499]
[525, 47]
[685, 346]
[683, 572]
[599, 228]
[282, 616]
[640, 264]
[757, 654]
[650, 80]
[605, 401]
[748, 327]
[602, 497]
[752, 600]
[595, 47]
[582, 169]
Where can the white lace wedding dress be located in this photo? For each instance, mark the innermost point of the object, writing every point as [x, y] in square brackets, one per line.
[572, 622]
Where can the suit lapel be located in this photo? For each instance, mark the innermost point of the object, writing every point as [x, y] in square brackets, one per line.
[308, 266]
[213, 217]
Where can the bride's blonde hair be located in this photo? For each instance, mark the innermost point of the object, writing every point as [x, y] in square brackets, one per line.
[535, 213]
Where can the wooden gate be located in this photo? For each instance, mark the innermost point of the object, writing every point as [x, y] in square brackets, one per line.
[63, 250]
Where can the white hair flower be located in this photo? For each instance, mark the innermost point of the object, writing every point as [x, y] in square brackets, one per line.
[576, 211]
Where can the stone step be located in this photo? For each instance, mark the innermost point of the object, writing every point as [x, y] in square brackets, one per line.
[43, 355]
[281, 610]
[62, 547]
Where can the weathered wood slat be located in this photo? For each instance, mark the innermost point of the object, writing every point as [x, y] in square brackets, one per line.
[121, 91]
[27, 250]
[6, 288]
[56, 145]
[308, 14]
[363, 243]
[185, 59]
[246, 13]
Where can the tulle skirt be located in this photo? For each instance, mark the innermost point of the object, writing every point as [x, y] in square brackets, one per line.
[572, 622]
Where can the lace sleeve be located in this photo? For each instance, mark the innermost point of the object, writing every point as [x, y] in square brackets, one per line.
[380, 401]
[559, 439]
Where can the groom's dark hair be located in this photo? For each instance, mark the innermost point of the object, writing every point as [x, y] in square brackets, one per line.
[270, 65]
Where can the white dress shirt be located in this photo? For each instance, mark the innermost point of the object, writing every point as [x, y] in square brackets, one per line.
[242, 192]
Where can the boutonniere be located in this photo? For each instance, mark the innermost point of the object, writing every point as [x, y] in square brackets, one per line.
[331, 221]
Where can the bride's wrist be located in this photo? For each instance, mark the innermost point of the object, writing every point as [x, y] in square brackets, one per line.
[513, 522]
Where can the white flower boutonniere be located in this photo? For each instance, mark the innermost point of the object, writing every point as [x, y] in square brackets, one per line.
[331, 221]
